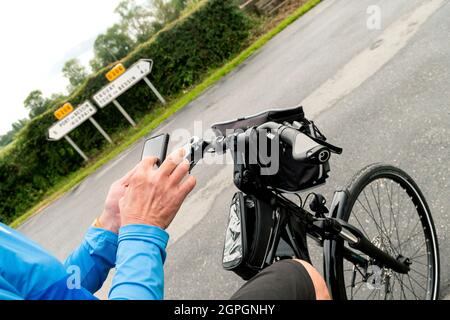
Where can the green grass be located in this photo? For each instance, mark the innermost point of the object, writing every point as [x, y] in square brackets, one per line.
[154, 119]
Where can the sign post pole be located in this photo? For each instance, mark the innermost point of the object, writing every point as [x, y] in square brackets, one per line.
[124, 113]
[152, 87]
[77, 149]
[100, 129]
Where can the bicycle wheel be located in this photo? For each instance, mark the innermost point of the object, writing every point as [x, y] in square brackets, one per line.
[390, 210]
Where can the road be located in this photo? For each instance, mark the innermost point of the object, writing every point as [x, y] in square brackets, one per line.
[383, 95]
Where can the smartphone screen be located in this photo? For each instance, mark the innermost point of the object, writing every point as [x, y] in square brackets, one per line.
[156, 147]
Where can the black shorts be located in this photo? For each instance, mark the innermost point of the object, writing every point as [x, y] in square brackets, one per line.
[284, 280]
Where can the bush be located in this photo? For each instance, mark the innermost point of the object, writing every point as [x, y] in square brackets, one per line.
[182, 53]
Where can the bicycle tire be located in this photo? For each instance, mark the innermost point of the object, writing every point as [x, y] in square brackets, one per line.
[356, 189]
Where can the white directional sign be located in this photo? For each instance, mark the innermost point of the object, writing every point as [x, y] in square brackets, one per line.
[133, 75]
[73, 120]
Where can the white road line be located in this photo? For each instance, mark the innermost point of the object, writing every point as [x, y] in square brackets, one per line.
[371, 60]
[111, 165]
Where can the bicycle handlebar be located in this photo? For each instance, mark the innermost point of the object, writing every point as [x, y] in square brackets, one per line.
[304, 149]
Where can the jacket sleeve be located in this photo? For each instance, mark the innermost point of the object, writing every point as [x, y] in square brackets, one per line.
[94, 258]
[27, 271]
[139, 266]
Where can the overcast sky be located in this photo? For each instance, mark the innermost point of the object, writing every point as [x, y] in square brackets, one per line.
[37, 37]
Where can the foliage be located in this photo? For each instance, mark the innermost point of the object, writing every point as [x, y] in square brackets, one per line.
[36, 103]
[75, 73]
[111, 46]
[136, 20]
[9, 136]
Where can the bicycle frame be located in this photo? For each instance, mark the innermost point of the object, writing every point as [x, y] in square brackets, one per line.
[327, 231]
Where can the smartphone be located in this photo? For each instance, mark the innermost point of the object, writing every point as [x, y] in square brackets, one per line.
[156, 147]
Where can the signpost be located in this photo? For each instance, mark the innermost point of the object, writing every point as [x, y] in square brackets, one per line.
[62, 128]
[122, 83]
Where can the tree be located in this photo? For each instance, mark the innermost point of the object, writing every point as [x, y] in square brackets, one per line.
[165, 12]
[11, 134]
[143, 21]
[111, 46]
[75, 73]
[137, 24]
[36, 103]
[58, 97]
[136, 20]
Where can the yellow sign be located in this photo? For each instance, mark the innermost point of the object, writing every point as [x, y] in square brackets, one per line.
[64, 111]
[115, 72]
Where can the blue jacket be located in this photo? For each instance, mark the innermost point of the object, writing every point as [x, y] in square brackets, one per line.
[28, 272]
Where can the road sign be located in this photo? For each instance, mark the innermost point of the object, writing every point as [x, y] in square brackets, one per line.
[64, 111]
[115, 72]
[124, 82]
[72, 121]
[133, 75]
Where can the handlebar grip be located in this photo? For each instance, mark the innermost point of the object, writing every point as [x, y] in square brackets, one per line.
[304, 149]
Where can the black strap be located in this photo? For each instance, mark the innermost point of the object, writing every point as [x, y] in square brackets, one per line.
[333, 148]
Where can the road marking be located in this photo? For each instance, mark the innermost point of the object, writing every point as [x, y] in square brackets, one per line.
[369, 61]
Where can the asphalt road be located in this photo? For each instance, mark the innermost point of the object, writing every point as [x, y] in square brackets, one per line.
[383, 95]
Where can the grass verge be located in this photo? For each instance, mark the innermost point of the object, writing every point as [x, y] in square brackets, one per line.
[157, 117]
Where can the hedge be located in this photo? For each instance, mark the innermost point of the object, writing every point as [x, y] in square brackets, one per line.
[182, 53]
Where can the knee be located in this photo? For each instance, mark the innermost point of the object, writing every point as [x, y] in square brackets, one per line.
[320, 286]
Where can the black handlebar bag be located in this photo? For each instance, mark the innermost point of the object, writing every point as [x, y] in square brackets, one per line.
[273, 115]
[252, 169]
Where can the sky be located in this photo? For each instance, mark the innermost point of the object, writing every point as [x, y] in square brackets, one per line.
[37, 37]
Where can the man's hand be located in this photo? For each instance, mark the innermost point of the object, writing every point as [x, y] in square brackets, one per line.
[154, 196]
[110, 218]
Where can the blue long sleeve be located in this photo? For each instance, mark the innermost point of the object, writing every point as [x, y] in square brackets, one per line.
[139, 265]
[28, 272]
[94, 258]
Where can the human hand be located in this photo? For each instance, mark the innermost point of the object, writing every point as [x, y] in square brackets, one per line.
[110, 218]
[154, 196]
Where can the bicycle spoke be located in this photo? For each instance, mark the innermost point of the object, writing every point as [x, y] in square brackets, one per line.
[406, 287]
[390, 211]
[393, 288]
[411, 236]
[373, 218]
[416, 261]
[418, 249]
[392, 215]
[349, 286]
[401, 286]
[380, 230]
[355, 292]
[417, 283]
[362, 228]
[412, 287]
[388, 238]
[419, 273]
